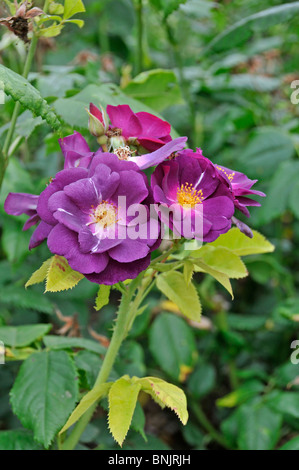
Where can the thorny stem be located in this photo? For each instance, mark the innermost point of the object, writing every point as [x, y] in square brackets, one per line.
[127, 312]
[27, 67]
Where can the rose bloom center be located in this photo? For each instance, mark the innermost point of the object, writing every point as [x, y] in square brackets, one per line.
[188, 196]
[104, 215]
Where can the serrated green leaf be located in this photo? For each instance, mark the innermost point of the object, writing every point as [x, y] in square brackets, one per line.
[222, 278]
[45, 393]
[29, 97]
[72, 7]
[41, 274]
[20, 336]
[18, 439]
[170, 395]
[87, 401]
[173, 285]
[123, 396]
[102, 297]
[223, 260]
[240, 245]
[188, 271]
[61, 276]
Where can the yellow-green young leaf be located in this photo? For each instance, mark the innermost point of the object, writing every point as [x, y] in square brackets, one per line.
[72, 7]
[200, 266]
[41, 274]
[174, 286]
[170, 395]
[87, 401]
[188, 271]
[241, 245]
[60, 276]
[51, 31]
[223, 260]
[79, 23]
[102, 297]
[122, 403]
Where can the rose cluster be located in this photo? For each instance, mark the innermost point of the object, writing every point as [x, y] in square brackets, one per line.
[87, 213]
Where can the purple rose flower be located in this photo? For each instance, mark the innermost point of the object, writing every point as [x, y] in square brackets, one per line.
[21, 203]
[134, 130]
[198, 197]
[150, 131]
[241, 187]
[76, 151]
[95, 233]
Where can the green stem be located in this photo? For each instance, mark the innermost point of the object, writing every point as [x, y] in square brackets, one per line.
[207, 425]
[9, 136]
[139, 55]
[125, 318]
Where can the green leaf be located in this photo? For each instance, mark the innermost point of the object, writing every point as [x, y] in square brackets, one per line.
[14, 241]
[20, 336]
[72, 7]
[79, 23]
[170, 395]
[44, 393]
[173, 285]
[102, 297]
[242, 31]
[18, 297]
[62, 342]
[280, 195]
[292, 444]
[90, 363]
[259, 427]
[240, 245]
[87, 401]
[188, 271]
[222, 260]
[286, 403]
[123, 396]
[52, 31]
[158, 89]
[29, 97]
[268, 148]
[241, 395]
[41, 274]
[173, 345]
[61, 276]
[19, 439]
[202, 381]
[222, 278]
[138, 421]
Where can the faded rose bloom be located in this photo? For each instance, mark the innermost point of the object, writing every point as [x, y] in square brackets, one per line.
[90, 229]
[137, 131]
[191, 186]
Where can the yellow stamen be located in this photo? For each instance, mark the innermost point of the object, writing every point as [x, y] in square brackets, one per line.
[104, 214]
[188, 196]
[230, 176]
